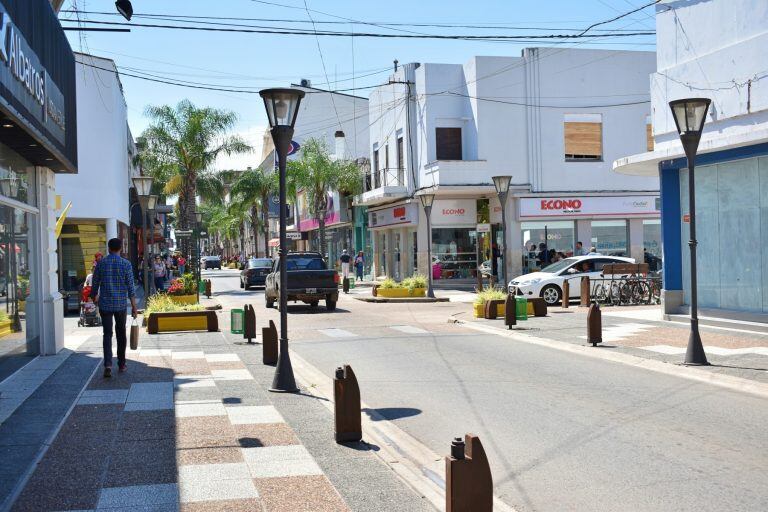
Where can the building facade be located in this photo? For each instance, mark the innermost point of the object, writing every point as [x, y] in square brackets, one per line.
[716, 50]
[38, 140]
[553, 119]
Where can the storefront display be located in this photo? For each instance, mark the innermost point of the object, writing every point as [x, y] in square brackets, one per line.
[610, 237]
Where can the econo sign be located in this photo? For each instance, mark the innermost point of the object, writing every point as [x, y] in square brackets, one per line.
[571, 205]
[454, 211]
[588, 206]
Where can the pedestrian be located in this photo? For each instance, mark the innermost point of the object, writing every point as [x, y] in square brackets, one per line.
[345, 259]
[359, 264]
[111, 289]
[159, 272]
[182, 263]
[579, 250]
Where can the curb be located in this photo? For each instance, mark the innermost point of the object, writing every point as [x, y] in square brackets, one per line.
[402, 300]
[729, 382]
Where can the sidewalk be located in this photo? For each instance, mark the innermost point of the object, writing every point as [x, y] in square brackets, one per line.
[190, 426]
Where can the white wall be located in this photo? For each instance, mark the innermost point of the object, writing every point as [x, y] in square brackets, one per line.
[100, 188]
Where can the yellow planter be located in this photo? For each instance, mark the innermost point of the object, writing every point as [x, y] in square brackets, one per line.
[232, 266]
[184, 299]
[190, 323]
[400, 293]
[22, 305]
[479, 310]
[5, 328]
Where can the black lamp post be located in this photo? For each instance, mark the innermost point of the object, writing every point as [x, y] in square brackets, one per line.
[282, 108]
[143, 185]
[502, 188]
[426, 202]
[196, 258]
[125, 8]
[690, 116]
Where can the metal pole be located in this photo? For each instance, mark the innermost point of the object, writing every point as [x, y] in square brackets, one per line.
[694, 354]
[503, 201]
[146, 248]
[197, 262]
[283, 382]
[430, 290]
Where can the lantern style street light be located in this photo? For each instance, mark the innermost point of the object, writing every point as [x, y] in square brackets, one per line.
[125, 8]
[143, 186]
[426, 201]
[282, 108]
[196, 259]
[502, 188]
[690, 116]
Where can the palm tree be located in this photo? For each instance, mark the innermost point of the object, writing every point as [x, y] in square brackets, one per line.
[253, 188]
[180, 148]
[317, 175]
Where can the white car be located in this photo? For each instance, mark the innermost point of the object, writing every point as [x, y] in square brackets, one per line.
[548, 283]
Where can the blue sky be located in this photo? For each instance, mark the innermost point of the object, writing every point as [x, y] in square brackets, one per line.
[234, 60]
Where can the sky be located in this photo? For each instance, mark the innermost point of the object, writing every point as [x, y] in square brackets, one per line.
[249, 61]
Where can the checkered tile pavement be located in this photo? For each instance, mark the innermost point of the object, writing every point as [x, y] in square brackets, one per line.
[175, 433]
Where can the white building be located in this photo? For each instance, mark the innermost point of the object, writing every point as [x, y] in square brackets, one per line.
[100, 191]
[713, 49]
[554, 119]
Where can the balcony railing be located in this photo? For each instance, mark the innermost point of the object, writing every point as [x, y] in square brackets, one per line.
[391, 177]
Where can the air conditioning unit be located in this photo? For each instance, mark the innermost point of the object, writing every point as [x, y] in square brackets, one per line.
[305, 83]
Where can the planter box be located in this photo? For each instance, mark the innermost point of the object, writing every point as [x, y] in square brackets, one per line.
[5, 328]
[479, 310]
[400, 293]
[183, 321]
[184, 299]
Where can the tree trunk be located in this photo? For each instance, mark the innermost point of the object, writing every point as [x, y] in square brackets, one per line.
[255, 227]
[265, 222]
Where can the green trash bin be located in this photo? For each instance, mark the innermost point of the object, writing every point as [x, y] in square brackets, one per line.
[521, 308]
[237, 321]
[201, 286]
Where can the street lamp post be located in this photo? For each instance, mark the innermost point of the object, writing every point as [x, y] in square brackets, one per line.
[426, 202]
[282, 108]
[196, 258]
[143, 185]
[502, 188]
[690, 115]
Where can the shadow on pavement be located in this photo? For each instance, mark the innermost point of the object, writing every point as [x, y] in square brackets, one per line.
[391, 413]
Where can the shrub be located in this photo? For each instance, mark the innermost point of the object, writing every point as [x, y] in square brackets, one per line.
[388, 284]
[490, 293]
[415, 281]
[162, 303]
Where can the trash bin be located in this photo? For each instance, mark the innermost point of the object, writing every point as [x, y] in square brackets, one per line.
[521, 308]
[201, 286]
[237, 321]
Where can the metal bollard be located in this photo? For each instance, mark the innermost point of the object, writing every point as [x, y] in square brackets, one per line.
[269, 344]
[491, 311]
[566, 294]
[594, 325]
[249, 323]
[346, 285]
[346, 406]
[510, 316]
[468, 480]
[584, 292]
[207, 288]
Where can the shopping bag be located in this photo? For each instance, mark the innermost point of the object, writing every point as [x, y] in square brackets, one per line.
[134, 335]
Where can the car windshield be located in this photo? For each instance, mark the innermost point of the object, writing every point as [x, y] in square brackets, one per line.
[560, 265]
[260, 263]
[305, 263]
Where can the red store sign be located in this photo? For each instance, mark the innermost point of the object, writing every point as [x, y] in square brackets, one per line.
[588, 206]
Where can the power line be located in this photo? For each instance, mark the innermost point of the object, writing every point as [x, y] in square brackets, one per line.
[322, 61]
[617, 17]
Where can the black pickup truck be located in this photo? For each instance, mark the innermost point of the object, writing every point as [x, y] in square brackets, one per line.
[309, 281]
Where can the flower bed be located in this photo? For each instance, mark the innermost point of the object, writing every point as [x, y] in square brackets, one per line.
[164, 314]
[415, 286]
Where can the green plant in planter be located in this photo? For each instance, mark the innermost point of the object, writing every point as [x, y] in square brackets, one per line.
[414, 282]
[162, 303]
[388, 284]
[490, 293]
[23, 285]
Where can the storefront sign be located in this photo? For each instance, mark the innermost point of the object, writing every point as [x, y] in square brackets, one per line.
[401, 215]
[307, 221]
[454, 212]
[588, 206]
[483, 228]
[295, 235]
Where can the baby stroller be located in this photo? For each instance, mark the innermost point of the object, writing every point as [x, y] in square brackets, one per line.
[89, 314]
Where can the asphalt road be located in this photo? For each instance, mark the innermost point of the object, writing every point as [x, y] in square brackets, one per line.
[562, 432]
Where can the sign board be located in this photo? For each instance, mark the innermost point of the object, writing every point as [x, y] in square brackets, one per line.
[295, 147]
[483, 228]
[687, 218]
[187, 233]
[587, 206]
[203, 233]
[294, 235]
[454, 213]
[400, 215]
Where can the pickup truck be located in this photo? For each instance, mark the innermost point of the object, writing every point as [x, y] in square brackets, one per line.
[309, 281]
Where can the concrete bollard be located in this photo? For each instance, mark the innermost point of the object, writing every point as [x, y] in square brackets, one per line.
[510, 316]
[584, 292]
[207, 288]
[249, 323]
[269, 344]
[566, 294]
[468, 480]
[594, 325]
[345, 285]
[346, 406]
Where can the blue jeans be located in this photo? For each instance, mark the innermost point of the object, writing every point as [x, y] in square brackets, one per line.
[159, 283]
[106, 322]
[181, 270]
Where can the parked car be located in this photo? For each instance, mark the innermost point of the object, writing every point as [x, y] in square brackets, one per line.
[212, 262]
[255, 272]
[309, 281]
[548, 283]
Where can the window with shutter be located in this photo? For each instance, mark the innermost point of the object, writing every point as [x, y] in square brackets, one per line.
[583, 135]
[648, 134]
[376, 175]
[448, 143]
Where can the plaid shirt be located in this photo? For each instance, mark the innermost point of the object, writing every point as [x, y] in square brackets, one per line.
[113, 283]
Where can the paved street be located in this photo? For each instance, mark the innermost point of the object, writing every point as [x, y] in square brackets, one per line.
[562, 431]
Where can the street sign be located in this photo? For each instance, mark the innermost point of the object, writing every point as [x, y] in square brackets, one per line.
[294, 147]
[203, 233]
[293, 235]
[185, 233]
[484, 228]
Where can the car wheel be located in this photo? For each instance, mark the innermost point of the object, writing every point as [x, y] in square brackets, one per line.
[242, 285]
[551, 294]
[330, 305]
[313, 304]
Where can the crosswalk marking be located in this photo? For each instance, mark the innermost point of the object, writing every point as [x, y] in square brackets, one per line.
[409, 329]
[336, 333]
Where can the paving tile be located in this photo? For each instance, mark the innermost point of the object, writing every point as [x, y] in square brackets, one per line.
[137, 453]
[299, 494]
[265, 434]
[138, 496]
[232, 365]
[154, 352]
[250, 414]
[147, 425]
[277, 461]
[144, 472]
[103, 396]
[193, 409]
[221, 358]
[149, 406]
[209, 472]
[208, 455]
[217, 490]
[55, 498]
[151, 392]
[227, 375]
[90, 418]
[193, 381]
[181, 355]
[243, 505]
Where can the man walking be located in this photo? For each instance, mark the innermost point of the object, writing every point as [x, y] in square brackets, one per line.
[344, 259]
[112, 287]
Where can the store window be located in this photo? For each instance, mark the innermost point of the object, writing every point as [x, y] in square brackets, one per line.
[454, 253]
[652, 243]
[400, 163]
[17, 177]
[376, 169]
[609, 237]
[546, 241]
[648, 134]
[448, 144]
[583, 135]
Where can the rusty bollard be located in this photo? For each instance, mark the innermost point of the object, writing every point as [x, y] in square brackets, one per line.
[510, 316]
[346, 406]
[249, 325]
[584, 292]
[468, 480]
[269, 344]
[345, 285]
[490, 311]
[207, 283]
[566, 293]
[594, 325]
